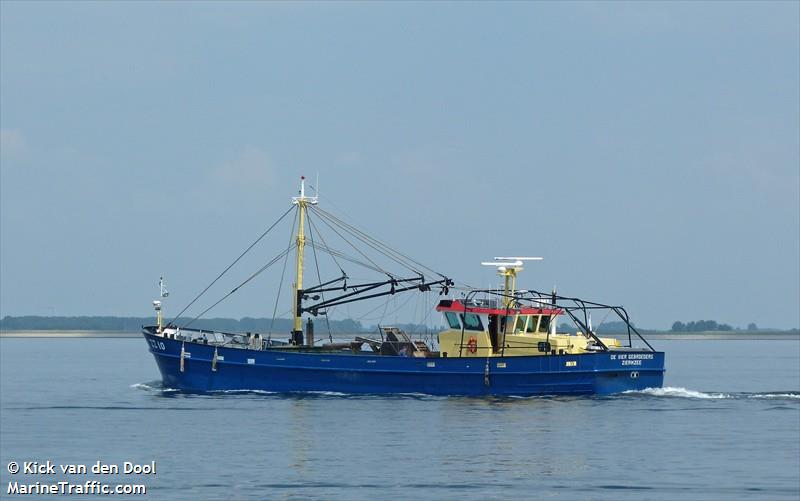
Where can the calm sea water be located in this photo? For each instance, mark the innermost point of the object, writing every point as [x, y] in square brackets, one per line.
[727, 426]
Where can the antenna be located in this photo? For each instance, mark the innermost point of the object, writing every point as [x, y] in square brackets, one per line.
[501, 264]
[303, 198]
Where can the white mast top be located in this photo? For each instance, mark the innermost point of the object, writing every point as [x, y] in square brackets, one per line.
[303, 197]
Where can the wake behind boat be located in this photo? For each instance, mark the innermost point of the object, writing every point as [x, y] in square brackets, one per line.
[500, 341]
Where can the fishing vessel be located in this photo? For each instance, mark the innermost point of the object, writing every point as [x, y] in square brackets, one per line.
[496, 341]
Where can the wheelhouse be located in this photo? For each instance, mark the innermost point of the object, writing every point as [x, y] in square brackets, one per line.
[487, 327]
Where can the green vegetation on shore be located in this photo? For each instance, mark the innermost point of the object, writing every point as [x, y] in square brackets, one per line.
[704, 326]
[679, 328]
[134, 324]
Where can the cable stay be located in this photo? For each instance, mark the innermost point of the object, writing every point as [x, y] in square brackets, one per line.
[319, 277]
[230, 266]
[236, 289]
[341, 255]
[373, 263]
[324, 244]
[280, 282]
[376, 244]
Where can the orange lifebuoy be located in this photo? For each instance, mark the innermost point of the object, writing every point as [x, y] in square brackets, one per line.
[472, 344]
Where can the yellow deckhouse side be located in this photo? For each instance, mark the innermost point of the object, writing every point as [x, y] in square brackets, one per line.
[479, 344]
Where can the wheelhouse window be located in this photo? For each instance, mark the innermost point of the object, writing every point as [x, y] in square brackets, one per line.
[472, 322]
[533, 323]
[515, 324]
[452, 320]
[544, 325]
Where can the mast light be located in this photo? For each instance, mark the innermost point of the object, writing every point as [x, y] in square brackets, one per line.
[303, 198]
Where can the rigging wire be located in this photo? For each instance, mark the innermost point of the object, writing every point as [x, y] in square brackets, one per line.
[231, 265]
[427, 318]
[325, 244]
[254, 275]
[333, 252]
[398, 308]
[332, 220]
[383, 315]
[364, 316]
[319, 277]
[283, 274]
[324, 220]
[390, 252]
[416, 306]
[608, 312]
[377, 241]
[344, 256]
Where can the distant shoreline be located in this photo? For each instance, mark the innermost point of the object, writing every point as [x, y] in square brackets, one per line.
[699, 336]
[692, 336]
[69, 333]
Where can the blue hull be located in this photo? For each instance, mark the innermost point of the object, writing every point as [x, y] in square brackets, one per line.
[290, 371]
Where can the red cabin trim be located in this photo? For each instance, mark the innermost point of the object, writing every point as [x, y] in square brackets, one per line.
[459, 307]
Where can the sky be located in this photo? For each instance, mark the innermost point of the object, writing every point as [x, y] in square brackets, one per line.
[650, 152]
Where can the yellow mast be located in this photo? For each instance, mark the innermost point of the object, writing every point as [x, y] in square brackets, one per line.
[302, 205]
[509, 273]
[301, 243]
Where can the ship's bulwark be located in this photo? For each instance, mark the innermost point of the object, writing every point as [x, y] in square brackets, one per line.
[289, 371]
